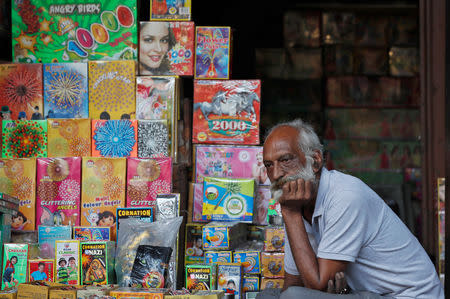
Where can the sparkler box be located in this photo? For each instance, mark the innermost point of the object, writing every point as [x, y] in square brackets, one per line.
[223, 235]
[218, 257]
[103, 191]
[112, 92]
[146, 178]
[212, 52]
[114, 138]
[170, 10]
[47, 272]
[24, 138]
[69, 137]
[226, 112]
[89, 233]
[47, 236]
[67, 258]
[18, 178]
[229, 278]
[21, 91]
[97, 263]
[250, 260]
[58, 31]
[15, 260]
[201, 277]
[66, 90]
[153, 138]
[58, 191]
[226, 199]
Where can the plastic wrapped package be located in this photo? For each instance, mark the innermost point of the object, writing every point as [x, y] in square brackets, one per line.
[150, 266]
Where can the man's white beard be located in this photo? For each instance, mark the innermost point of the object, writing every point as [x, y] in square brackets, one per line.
[306, 173]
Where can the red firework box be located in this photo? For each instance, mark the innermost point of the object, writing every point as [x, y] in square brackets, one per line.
[226, 112]
[114, 138]
[58, 191]
[146, 178]
[18, 179]
[24, 138]
[179, 52]
[41, 269]
[21, 91]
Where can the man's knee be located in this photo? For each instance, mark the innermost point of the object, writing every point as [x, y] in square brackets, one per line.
[269, 294]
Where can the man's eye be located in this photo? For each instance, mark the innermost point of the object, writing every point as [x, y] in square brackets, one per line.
[267, 165]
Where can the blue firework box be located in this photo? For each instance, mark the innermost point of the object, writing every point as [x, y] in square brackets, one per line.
[218, 257]
[47, 236]
[223, 235]
[250, 260]
[228, 199]
[250, 283]
[66, 90]
[114, 138]
[90, 233]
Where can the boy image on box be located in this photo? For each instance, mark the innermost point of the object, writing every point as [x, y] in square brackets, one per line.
[73, 271]
[8, 274]
[39, 274]
[62, 272]
[231, 287]
[196, 249]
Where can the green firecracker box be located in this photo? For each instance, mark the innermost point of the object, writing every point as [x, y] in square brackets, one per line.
[97, 262]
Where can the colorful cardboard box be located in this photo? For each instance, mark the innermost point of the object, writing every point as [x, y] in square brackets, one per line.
[114, 138]
[274, 238]
[58, 191]
[212, 52]
[15, 260]
[57, 31]
[69, 137]
[112, 92]
[146, 178]
[142, 214]
[250, 283]
[89, 233]
[193, 249]
[218, 257]
[196, 201]
[272, 264]
[67, 260]
[24, 138]
[127, 293]
[250, 260]
[41, 269]
[47, 236]
[153, 138]
[18, 178]
[226, 112]
[229, 278]
[65, 90]
[103, 191]
[223, 235]
[272, 283]
[97, 262]
[226, 199]
[170, 10]
[35, 289]
[177, 48]
[201, 277]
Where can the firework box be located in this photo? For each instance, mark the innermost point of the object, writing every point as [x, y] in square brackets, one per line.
[14, 274]
[90, 233]
[103, 191]
[21, 91]
[251, 294]
[250, 283]
[142, 214]
[218, 257]
[193, 241]
[112, 89]
[272, 264]
[47, 274]
[274, 238]
[250, 260]
[97, 262]
[127, 293]
[226, 199]
[229, 278]
[68, 138]
[212, 52]
[114, 138]
[18, 178]
[177, 57]
[201, 277]
[67, 262]
[153, 138]
[67, 292]
[226, 112]
[223, 235]
[62, 31]
[146, 178]
[24, 138]
[47, 236]
[35, 289]
[95, 291]
[8, 294]
[229, 161]
[170, 10]
[58, 191]
[272, 283]
[196, 200]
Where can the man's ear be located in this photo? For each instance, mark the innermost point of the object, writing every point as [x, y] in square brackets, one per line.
[317, 164]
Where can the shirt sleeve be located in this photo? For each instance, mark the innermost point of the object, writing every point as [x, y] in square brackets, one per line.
[345, 227]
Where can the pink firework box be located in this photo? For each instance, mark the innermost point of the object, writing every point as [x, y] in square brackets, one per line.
[230, 161]
[58, 191]
[146, 178]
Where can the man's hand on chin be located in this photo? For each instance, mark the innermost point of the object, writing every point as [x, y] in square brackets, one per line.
[296, 194]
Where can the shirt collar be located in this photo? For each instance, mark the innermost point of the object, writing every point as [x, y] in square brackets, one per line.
[323, 187]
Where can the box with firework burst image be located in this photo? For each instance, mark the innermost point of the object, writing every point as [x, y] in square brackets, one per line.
[24, 138]
[146, 178]
[201, 277]
[66, 31]
[18, 179]
[114, 138]
[250, 260]
[227, 199]
[170, 10]
[68, 138]
[103, 191]
[226, 112]
[58, 191]
[67, 262]
[21, 91]
[66, 90]
[15, 261]
[97, 263]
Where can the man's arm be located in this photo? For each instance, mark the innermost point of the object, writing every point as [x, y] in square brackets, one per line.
[292, 280]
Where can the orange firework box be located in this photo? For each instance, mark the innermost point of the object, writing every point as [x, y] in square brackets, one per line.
[103, 191]
[272, 264]
[138, 293]
[18, 179]
[21, 91]
[112, 93]
[114, 138]
[67, 138]
[272, 283]
[226, 111]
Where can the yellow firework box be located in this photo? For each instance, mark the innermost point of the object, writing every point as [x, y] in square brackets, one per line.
[103, 191]
[112, 89]
[18, 179]
[67, 138]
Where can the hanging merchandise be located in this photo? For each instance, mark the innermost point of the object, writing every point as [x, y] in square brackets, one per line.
[69, 137]
[170, 10]
[24, 138]
[114, 138]
[67, 258]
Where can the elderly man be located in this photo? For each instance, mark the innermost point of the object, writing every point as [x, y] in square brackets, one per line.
[355, 231]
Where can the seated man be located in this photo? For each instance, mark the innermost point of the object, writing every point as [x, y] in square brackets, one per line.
[355, 231]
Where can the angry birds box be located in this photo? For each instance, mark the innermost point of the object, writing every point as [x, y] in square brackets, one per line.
[223, 235]
[201, 277]
[97, 263]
